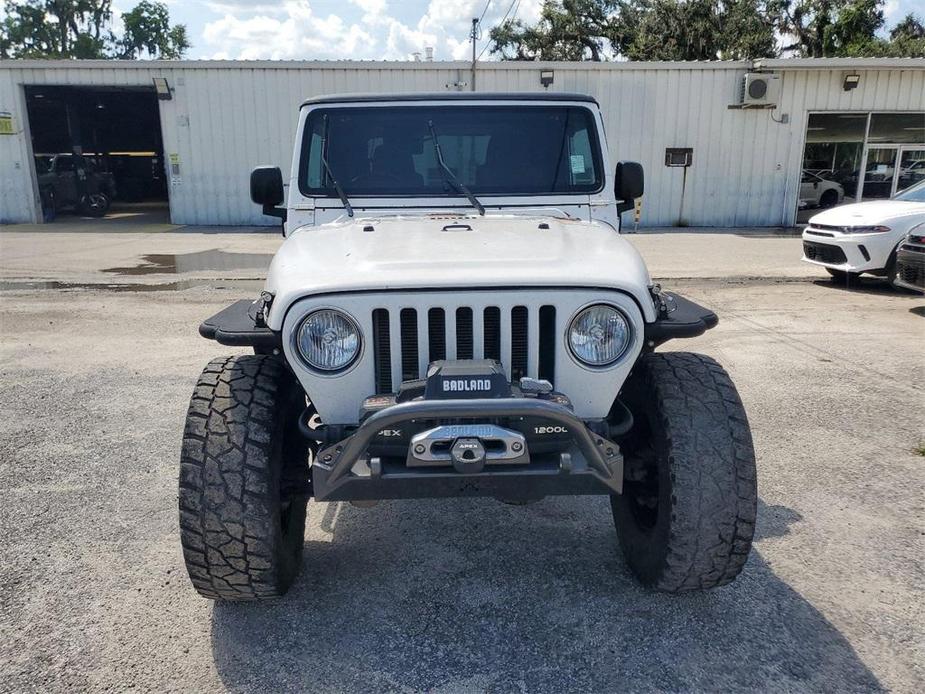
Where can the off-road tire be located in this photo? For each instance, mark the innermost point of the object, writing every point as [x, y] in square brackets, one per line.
[686, 517]
[243, 480]
[843, 277]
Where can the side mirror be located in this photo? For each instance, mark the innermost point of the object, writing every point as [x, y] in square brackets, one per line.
[267, 190]
[628, 184]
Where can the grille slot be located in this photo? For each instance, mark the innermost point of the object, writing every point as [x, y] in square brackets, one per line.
[492, 333]
[547, 365]
[382, 351]
[519, 342]
[464, 333]
[436, 334]
[522, 338]
[409, 344]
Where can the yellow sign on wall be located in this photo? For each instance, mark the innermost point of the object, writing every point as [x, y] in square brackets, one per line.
[6, 123]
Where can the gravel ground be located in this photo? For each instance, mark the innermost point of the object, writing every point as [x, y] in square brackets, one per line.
[464, 595]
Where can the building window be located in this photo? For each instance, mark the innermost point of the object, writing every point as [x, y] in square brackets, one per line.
[850, 157]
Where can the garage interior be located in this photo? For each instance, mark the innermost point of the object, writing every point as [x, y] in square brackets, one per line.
[103, 139]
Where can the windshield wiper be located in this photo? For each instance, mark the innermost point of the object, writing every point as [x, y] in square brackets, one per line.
[327, 167]
[448, 174]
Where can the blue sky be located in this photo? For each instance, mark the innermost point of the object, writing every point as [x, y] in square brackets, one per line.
[355, 29]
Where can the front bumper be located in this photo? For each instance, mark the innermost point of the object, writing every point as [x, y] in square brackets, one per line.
[910, 267]
[345, 471]
[847, 252]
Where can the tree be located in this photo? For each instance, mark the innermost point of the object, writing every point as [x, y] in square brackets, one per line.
[567, 30]
[641, 30]
[698, 30]
[707, 30]
[83, 29]
[829, 28]
[55, 29]
[907, 39]
[147, 28]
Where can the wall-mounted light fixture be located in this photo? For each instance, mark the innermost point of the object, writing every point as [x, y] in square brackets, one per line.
[851, 82]
[546, 78]
[162, 88]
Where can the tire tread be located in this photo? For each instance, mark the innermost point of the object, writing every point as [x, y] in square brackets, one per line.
[711, 461]
[228, 487]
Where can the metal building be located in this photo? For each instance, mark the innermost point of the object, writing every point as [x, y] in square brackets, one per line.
[721, 145]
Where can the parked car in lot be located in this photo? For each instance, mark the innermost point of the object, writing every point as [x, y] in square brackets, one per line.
[863, 237]
[73, 181]
[454, 312]
[818, 191]
[912, 174]
[910, 260]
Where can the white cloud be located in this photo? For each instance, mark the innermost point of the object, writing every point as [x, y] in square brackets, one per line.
[292, 29]
[371, 7]
[295, 33]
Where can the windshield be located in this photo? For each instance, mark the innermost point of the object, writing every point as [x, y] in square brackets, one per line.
[491, 150]
[914, 194]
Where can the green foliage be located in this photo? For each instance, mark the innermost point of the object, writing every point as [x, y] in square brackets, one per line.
[907, 39]
[83, 29]
[829, 28]
[147, 28]
[706, 30]
[567, 30]
[697, 30]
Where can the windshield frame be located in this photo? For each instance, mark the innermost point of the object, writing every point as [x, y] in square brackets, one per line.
[428, 111]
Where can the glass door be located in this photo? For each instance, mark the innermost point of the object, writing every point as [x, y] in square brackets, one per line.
[879, 173]
[911, 169]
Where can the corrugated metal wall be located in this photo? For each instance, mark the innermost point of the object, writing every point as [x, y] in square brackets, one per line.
[227, 117]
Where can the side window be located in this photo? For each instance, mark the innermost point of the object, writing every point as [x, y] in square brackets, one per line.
[64, 164]
[315, 170]
[581, 157]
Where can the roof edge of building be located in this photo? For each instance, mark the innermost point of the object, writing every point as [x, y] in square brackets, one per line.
[763, 63]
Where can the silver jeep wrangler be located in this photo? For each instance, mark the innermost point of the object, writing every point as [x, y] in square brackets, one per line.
[454, 312]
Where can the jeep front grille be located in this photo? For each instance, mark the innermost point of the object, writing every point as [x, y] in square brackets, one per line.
[404, 330]
[502, 333]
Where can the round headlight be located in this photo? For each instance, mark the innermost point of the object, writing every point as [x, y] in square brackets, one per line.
[329, 340]
[599, 335]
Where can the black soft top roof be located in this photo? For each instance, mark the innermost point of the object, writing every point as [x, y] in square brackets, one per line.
[448, 96]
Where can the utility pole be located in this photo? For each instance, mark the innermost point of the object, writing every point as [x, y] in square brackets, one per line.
[474, 35]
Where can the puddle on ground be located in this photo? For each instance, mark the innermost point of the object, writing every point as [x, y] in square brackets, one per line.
[174, 264]
[33, 285]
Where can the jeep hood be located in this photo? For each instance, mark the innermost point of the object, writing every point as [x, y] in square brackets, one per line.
[447, 252]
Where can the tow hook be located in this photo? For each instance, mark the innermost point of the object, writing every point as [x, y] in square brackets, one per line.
[468, 455]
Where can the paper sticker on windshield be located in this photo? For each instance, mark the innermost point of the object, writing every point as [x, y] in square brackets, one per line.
[578, 163]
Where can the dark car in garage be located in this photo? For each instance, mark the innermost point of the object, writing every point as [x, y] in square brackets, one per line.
[73, 181]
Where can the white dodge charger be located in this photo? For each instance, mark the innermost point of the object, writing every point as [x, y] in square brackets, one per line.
[863, 237]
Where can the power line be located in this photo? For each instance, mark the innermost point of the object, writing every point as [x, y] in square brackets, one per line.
[515, 5]
[482, 16]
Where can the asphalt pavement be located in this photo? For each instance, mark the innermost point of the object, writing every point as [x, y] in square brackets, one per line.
[98, 356]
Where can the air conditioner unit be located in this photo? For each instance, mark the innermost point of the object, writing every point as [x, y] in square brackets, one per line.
[759, 90]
